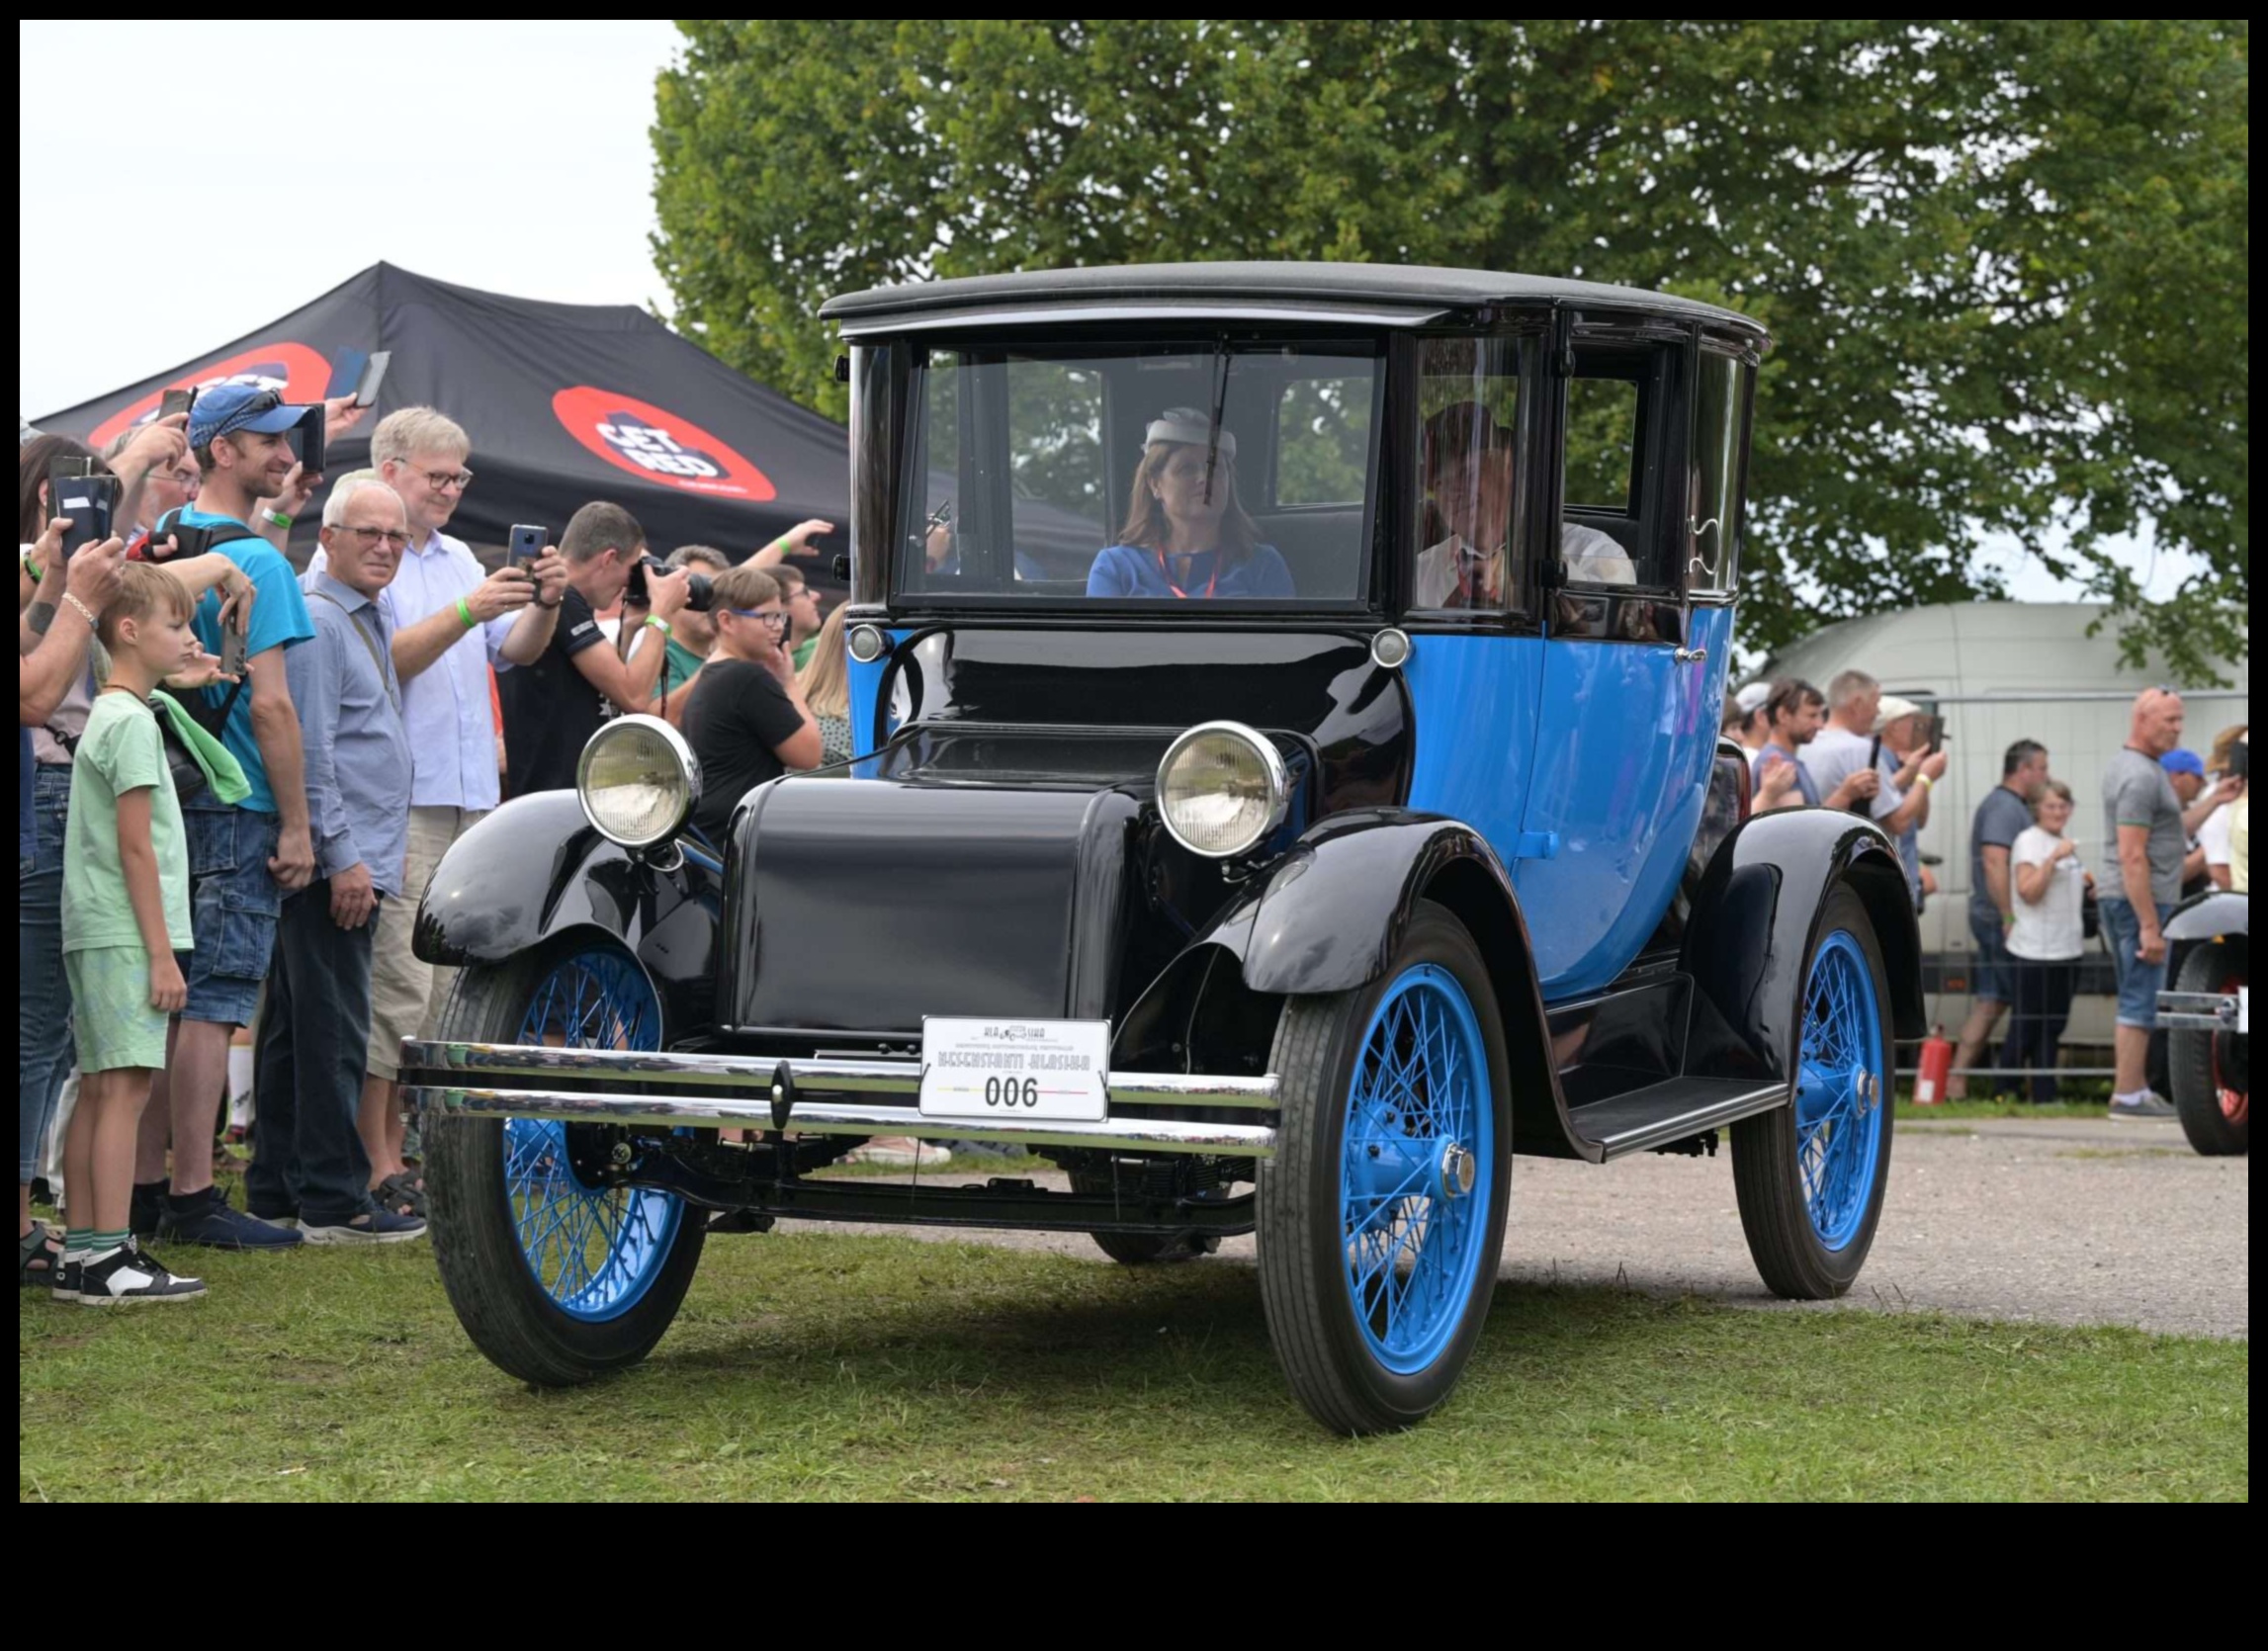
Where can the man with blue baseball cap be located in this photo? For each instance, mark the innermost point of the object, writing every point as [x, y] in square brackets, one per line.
[243, 858]
[2185, 772]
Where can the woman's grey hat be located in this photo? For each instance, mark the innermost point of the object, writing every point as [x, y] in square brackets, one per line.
[1187, 426]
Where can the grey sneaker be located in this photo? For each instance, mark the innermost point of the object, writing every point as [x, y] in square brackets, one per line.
[2150, 1106]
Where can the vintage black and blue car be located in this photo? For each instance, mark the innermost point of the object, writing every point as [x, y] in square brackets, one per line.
[2208, 1020]
[1287, 786]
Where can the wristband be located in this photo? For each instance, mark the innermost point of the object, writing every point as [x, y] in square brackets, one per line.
[661, 625]
[277, 517]
[33, 568]
[781, 544]
[1924, 781]
[465, 612]
[81, 609]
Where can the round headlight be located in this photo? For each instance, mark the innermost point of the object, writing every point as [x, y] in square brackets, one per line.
[1221, 789]
[638, 781]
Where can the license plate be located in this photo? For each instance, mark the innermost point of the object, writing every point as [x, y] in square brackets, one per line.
[1014, 1069]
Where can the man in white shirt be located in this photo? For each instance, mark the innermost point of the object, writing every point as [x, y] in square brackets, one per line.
[452, 621]
[1857, 717]
[1469, 474]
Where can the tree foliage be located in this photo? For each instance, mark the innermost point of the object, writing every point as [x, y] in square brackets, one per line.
[2004, 262]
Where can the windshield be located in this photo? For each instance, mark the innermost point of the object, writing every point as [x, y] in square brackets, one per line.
[1216, 470]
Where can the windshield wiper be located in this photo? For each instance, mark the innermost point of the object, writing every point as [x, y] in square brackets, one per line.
[1213, 429]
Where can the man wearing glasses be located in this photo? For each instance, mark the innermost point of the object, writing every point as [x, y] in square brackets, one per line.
[746, 721]
[451, 622]
[311, 1167]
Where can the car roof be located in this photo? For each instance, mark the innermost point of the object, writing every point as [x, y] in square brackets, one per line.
[1389, 287]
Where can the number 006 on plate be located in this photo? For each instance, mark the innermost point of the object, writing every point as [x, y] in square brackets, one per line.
[1014, 1069]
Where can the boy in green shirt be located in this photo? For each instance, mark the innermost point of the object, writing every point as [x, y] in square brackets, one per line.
[124, 913]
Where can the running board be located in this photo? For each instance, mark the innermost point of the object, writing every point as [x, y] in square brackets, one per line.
[1671, 1110]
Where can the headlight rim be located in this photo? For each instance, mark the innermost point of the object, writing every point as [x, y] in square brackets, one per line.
[688, 764]
[1271, 761]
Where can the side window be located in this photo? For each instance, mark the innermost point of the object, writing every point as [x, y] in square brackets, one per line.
[1607, 517]
[1055, 468]
[1711, 528]
[1323, 442]
[939, 486]
[1471, 501]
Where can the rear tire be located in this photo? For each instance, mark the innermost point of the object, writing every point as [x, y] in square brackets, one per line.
[1394, 1148]
[2210, 1083]
[572, 1310]
[1810, 1175]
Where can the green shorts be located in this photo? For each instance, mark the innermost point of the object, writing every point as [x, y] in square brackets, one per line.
[111, 1014]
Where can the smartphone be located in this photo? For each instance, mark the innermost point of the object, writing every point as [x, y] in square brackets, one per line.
[526, 543]
[307, 440]
[88, 500]
[231, 651]
[1875, 752]
[1936, 736]
[373, 375]
[177, 401]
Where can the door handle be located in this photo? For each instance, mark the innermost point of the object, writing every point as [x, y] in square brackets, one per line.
[1690, 655]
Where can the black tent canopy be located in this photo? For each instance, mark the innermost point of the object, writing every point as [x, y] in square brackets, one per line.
[565, 403]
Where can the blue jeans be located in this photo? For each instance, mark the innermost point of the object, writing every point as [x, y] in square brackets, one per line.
[1989, 976]
[234, 906]
[2139, 983]
[308, 1156]
[43, 994]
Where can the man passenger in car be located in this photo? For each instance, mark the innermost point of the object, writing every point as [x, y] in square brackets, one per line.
[1185, 535]
[1470, 469]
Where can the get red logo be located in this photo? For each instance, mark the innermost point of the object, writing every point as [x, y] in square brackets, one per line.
[293, 371]
[657, 446]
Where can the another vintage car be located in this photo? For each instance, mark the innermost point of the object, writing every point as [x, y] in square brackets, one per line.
[1286, 699]
[2207, 1020]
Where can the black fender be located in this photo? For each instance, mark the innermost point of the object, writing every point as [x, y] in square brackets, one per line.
[536, 872]
[1754, 921]
[2210, 915]
[1331, 914]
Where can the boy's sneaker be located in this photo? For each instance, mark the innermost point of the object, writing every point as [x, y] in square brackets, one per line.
[147, 1208]
[211, 1222]
[371, 1227]
[126, 1277]
[2148, 1104]
[67, 1278]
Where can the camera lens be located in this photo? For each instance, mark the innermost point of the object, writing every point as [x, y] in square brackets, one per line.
[700, 592]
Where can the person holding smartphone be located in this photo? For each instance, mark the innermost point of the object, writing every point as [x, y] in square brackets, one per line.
[748, 720]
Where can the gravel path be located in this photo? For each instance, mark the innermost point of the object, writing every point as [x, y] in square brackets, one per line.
[2068, 1220]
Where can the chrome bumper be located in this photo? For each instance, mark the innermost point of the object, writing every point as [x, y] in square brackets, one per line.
[819, 1097]
[2198, 1011]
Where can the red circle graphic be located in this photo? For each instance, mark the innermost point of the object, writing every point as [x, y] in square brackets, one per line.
[658, 447]
[293, 371]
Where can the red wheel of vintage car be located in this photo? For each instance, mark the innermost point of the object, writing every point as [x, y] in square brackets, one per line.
[2210, 1071]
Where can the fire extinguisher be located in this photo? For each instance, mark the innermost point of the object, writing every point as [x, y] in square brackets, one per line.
[1936, 1068]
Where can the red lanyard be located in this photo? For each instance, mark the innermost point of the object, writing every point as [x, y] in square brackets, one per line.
[1176, 589]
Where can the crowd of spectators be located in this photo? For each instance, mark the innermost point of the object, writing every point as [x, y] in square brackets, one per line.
[235, 781]
[2170, 819]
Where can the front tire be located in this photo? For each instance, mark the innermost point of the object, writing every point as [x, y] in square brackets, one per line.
[2210, 1073]
[1381, 1216]
[1809, 1176]
[557, 1282]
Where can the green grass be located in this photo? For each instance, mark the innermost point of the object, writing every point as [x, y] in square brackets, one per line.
[825, 1367]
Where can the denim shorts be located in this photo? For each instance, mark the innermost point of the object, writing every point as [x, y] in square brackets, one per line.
[1992, 975]
[2139, 983]
[234, 906]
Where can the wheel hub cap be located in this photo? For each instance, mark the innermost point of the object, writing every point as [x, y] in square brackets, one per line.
[1459, 1170]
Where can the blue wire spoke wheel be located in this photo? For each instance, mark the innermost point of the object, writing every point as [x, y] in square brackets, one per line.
[1840, 1090]
[1416, 1164]
[1811, 1175]
[593, 1251]
[1382, 1214]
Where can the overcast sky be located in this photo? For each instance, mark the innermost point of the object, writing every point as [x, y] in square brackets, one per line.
[497, 154]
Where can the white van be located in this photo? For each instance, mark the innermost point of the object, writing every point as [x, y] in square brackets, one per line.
[1999, 673]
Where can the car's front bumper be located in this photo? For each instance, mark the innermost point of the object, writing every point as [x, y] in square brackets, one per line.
[1147, 1110]
[2200, 1011]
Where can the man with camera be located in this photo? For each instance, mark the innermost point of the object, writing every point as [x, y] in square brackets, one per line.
[554, 706]
[245, 857]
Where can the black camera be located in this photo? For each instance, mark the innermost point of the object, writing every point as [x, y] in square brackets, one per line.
[700, 589]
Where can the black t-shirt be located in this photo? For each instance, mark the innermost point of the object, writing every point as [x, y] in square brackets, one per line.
[737, 713]
[550, 710]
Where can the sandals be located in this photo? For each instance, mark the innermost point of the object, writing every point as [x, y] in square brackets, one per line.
[400, 1194]
[38, 1258]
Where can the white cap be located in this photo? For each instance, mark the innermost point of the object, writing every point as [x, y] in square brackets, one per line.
[1891, 709]
[1752, 697]
[1190, 427]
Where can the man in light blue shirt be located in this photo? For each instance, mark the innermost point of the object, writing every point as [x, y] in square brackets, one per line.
[451, 622]
[310, 1165]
